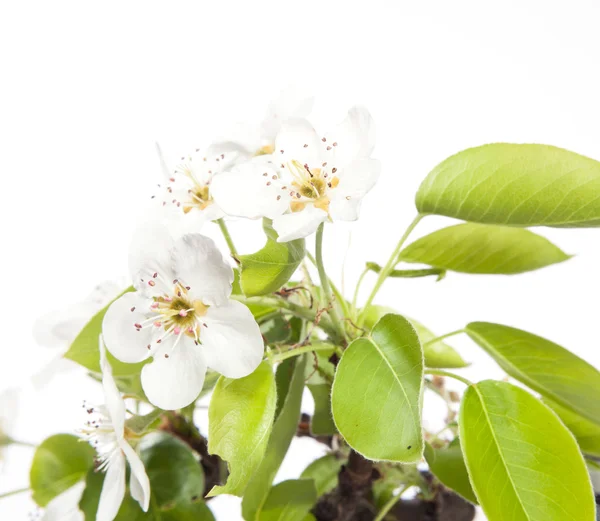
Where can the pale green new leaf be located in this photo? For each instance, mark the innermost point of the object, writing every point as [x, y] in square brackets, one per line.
[142, 424]
[515, 185]
[438, 355]
[448, 465]
[523, 463]
[586, 432]
[289, 501]
[240, 418]
[484, 249]
[284, 429]
[542, 365]
[270, 268]
[84, 349]
[59, 462]
[324, 471]
[377, 393]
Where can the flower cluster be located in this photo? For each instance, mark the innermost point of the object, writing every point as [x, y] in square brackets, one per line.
[180, 313]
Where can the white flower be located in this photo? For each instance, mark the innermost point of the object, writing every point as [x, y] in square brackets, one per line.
[182, 316]
[188, 190]
[65, 506]
[106, 432]
[311, 179]
[58, 329]
[292, 102]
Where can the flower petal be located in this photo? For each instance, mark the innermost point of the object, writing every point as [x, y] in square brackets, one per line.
[353, 138]
[297, 225]
[150, 253]
[298, 141]
[112, 397]
[65, 506]
[344, 210]
[174, 382]
[122, 338]
[252, 190]
[198, 263]
[231, 343]
[292, 102]
[113, 489]
[139, 484]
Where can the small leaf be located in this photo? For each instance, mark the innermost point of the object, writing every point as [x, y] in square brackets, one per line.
[586, 432]
[270, 268]
[289, 501]
[542, 365]
[174, 472]
[142, 424]
[377, 393]
[240, 417]
[322, 421]
[448, 465]
[523, 463]
[324, 471]
[409, 274]
[515, 185]
[58, 464]
[283, 432]
[84, 349]
[484, 249]
[276, 330]
[437, 355]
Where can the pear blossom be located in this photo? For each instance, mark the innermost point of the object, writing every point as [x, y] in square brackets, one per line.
[58, 329]
[65, 506]
[258, 140]
[308, 180]
[188, 190]
[106, 432]
[181, 316]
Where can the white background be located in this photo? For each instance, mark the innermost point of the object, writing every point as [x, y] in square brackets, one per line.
[87, 88]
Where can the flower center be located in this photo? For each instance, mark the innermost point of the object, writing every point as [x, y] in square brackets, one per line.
[310, 186]
[265, 150]
[199, 198]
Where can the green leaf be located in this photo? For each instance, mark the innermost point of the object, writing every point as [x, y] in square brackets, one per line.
[142, 424]
[322, 421]
[484, 249]
[409, 274]
[276, 330]
[324, 471]
[175, 474]
[240, 417]
[542, 365]
[437, 355]
[516, 185]
[523, 463]
[58, 464]
[197, 511]
[586, 432]
[377, 393]
[84, 349]
[270, 268]
[448, 465]
[289, 501]
[283, 432]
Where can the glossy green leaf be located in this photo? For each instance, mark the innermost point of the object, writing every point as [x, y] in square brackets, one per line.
[175, 474]
[586, 432]
[448, 465]
[377, 393]
[240, 418]
[142, 424]
[484, 249]
[437, 355]
[283, 432]
[289, 501]
[324, 472]
[517, 185]
[542, 365]
[84, 349]
[523, 463]
[59, 462]
[270, 268]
